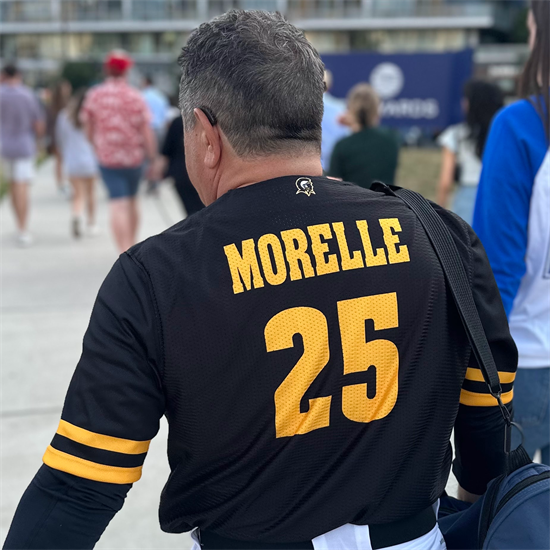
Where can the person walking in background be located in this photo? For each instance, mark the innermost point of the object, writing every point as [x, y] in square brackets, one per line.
[21, 123]
[172, 165]
[463, 146]
[333, 130]
[79, 163]
[512, 219]
[370, 153]
[159, 106]
[117, 122]
[60, 96]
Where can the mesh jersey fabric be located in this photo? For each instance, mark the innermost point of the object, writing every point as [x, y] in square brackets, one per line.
[299, 337]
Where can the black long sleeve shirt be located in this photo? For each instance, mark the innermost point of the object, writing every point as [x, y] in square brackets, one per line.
[300, 338]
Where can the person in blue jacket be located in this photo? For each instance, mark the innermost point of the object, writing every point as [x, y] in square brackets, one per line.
[512, 219]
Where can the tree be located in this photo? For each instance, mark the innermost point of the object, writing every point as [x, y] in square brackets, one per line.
[81, 73]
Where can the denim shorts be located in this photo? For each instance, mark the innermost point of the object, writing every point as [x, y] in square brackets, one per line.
[532, 410]
[121, 182]
[464, 202]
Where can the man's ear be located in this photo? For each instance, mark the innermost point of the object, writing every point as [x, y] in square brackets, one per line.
[210, 139]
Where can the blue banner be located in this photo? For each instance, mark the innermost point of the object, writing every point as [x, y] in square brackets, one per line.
[421, 89]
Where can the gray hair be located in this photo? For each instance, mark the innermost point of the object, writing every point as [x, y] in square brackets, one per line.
[259, 77]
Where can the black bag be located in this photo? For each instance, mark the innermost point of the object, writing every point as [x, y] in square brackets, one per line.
[514, 513]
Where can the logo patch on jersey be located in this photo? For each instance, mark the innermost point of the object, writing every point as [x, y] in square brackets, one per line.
[305, 185]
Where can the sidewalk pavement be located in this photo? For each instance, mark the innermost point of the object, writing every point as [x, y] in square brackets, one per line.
[47, 294]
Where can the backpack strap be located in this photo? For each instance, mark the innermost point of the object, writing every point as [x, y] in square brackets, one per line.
[457, 279]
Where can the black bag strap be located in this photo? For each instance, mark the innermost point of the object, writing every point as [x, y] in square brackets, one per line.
[457, 279]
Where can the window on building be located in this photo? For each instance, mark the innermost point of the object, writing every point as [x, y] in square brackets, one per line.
[8, 45]
[22, 11]
[142, 43]
[150, 9]
[171, 42]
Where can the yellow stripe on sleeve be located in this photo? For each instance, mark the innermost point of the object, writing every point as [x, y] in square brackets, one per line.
[99, 441]
[476, 376]
[59, 460]
[483, 399]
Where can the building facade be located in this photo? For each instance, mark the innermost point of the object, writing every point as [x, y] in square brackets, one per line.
[43, 34]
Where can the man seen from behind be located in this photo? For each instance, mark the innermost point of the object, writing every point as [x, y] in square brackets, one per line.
[297, 333]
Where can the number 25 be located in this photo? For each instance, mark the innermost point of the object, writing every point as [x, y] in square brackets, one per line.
[359, 355]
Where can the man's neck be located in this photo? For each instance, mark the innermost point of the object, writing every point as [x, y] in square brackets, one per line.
[245, 173]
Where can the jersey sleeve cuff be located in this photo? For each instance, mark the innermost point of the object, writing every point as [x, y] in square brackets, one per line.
[471, 483]
[95, 456]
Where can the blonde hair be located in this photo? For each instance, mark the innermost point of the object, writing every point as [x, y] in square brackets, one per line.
[363, 105]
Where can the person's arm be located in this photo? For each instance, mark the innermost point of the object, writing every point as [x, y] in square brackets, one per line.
[39, 128]
[151, 151]
[149, 139]
[111, 413]
[479, 426]
[87, 116]
[448, 140]
[89, 131]
[501, 213]
[38, 118]
[58, 152]
[150, 142]
[446, 177]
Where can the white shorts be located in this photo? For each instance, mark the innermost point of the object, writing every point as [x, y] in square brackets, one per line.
[356, 537]
[19, 170]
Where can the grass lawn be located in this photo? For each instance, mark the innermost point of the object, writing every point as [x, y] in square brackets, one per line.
[3, 186]
[419, 170]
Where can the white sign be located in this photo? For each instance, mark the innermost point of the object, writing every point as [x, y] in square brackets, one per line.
[387, 79]
[410, 108]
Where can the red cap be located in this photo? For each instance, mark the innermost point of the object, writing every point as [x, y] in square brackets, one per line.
[118, 62]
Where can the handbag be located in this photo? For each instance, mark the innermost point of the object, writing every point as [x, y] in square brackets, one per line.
[514, 512]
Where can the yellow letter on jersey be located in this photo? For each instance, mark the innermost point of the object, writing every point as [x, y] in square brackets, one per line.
[323, 265]
[348, 262]
[243, 267]
[272, 277]
[396, 254]
[296, 251]
[372, 258]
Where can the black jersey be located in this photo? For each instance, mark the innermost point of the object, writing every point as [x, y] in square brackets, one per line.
[300, 338]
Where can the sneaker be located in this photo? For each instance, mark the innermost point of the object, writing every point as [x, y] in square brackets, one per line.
[77, 227]
[153, 188]
[65, 191]
[93, 230]
[24, 239]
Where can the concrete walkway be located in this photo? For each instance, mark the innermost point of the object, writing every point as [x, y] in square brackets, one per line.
[47, 293]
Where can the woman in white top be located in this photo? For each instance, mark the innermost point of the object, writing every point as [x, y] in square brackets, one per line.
[463, 146]
[79, 163]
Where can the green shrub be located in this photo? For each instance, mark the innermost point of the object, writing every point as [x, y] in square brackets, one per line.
[81, 74]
